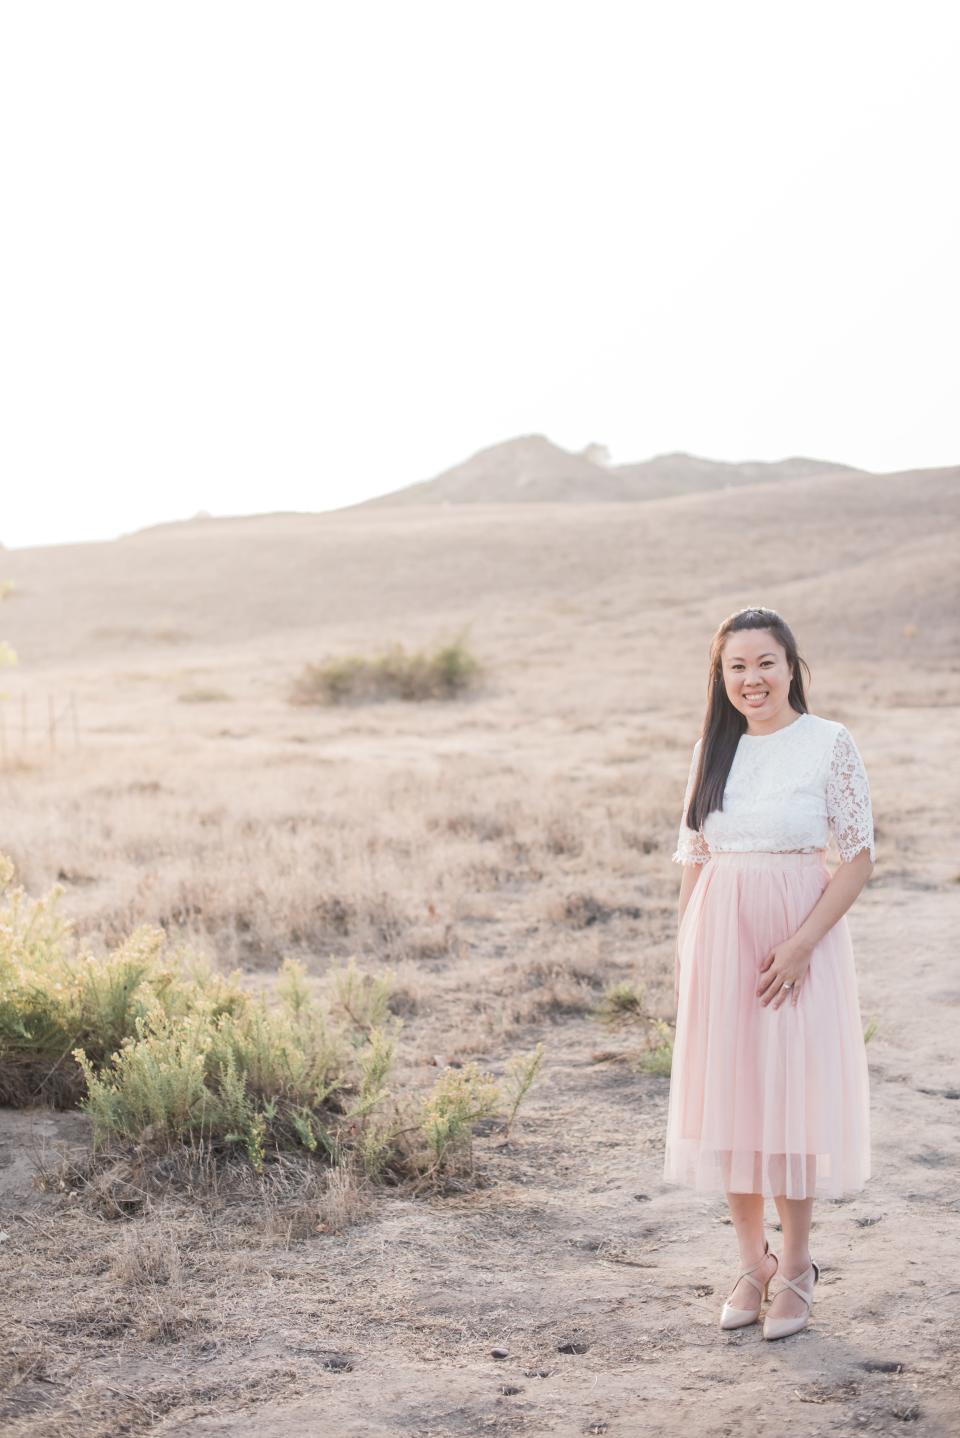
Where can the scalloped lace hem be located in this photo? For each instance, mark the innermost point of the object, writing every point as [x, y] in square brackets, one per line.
[870, 848]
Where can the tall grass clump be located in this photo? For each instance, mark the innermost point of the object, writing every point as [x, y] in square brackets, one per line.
[657, 1057]
[162, 1052]
[620, 1002]
[445, 672]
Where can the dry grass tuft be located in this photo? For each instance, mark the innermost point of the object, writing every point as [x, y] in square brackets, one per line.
[148, 1259]
[299, 1205]
[621, 1002]
[580, 910]
[563, 837]
[552, 989]
[474, 825]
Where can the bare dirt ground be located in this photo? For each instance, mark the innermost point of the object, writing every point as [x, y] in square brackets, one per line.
[494, 822]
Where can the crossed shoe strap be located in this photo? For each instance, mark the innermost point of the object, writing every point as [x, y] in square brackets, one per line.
[792, 1283]
[747, 1272]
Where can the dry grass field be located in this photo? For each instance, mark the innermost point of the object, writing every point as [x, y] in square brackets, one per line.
[507, 856]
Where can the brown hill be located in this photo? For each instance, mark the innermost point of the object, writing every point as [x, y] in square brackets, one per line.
[857, 555]
[531, 468]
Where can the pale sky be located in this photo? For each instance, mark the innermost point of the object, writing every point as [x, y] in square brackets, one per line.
[289, 255]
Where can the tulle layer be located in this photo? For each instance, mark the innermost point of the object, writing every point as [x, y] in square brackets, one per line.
[762, 1099]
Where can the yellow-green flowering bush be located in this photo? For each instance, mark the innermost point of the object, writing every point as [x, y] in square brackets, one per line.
[55, 998]
[160, 1050]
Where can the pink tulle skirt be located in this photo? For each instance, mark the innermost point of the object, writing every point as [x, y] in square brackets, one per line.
[762, 1099]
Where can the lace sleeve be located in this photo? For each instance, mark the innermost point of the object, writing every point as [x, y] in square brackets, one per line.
[692, 847]
[848, 798]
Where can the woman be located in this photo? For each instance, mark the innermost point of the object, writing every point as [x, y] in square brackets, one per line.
[769, 1090]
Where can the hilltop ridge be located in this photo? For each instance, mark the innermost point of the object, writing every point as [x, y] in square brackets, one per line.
[530, 468]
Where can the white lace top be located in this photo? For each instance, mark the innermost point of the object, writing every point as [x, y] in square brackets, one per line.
[786, 791]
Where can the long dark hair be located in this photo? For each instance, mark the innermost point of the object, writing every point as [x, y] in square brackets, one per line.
[722, 723]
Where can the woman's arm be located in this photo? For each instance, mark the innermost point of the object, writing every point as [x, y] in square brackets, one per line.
[850, 815]
[847, 881]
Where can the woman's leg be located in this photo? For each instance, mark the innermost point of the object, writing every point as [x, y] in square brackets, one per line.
[746, 1210]
[795, 1217]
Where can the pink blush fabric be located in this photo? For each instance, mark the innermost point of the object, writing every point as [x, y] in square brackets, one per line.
[762, 1099]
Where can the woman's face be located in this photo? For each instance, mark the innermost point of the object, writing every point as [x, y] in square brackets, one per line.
[757, 677]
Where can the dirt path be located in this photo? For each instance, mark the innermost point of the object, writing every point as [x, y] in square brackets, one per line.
[389, 1328]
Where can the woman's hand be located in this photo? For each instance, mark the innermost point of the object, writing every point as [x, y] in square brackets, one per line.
[787, 963]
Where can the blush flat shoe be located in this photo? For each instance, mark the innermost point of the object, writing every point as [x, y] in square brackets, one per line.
[783, 1327]
[732, 1317]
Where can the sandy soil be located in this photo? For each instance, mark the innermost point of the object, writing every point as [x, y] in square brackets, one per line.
[210, 1319]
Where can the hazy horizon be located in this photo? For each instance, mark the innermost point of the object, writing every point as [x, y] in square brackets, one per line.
[335, 266]
[167, 518]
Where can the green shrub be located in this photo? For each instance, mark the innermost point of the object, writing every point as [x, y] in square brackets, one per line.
[54, 999]
[363, 998]
[235, 1078]
[161, 1051]
[444, 673]
[519, 1077]
[459, 1098]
